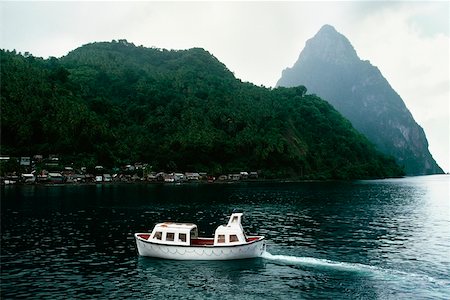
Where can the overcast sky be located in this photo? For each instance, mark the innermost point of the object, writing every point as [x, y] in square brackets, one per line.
[408, 41]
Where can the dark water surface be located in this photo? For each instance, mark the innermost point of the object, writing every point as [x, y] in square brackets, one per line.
[382, 239]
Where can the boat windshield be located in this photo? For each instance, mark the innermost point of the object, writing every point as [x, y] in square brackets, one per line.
[194, 233]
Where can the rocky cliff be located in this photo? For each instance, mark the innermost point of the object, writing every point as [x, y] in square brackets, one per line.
[330, 67]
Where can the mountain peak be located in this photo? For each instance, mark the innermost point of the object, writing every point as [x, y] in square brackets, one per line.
[329, 67]
[328, 29]
[328, 45]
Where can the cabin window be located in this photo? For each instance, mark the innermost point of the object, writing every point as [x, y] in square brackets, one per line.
[233, 238]
[182, 237]
[221, 238]
[170, 236]
[158, 235]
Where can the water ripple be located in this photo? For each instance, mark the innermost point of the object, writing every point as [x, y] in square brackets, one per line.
[385, 239]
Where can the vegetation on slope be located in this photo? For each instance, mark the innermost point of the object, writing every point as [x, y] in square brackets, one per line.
[115, 103]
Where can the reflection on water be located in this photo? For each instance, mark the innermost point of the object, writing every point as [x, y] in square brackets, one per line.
[362, 239]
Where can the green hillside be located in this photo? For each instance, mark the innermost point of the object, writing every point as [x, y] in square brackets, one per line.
[115, 103]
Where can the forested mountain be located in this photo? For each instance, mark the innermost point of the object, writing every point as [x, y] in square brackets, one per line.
[113, 103]
[330, 68]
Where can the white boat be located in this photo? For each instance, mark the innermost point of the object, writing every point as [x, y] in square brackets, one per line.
[181, 241]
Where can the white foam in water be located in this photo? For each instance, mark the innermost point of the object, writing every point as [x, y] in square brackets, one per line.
[317, 262]
[349, 267]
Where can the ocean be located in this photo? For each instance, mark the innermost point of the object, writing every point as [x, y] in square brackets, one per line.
[370, 239]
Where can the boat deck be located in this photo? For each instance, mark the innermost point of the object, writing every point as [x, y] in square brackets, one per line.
[203, 241]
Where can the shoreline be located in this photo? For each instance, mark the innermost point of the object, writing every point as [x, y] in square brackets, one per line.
[201, 182]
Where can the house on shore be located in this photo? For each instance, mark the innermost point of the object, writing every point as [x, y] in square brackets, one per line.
[192, 176]
[28, 178]
[55, 177]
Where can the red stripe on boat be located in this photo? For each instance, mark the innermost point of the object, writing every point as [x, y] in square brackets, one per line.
[144, 236]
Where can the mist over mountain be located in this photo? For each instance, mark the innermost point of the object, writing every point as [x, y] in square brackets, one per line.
[116, 103]
[330, 67]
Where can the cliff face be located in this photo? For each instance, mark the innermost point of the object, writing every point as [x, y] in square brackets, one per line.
[330, 67]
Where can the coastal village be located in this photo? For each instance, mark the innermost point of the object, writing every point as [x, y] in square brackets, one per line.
[50, 170]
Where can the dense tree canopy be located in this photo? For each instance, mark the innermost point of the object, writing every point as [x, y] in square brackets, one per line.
[115, 103]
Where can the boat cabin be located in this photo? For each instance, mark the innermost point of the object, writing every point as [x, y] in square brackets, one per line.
[174, 233]
[232, 233]
[186, 234]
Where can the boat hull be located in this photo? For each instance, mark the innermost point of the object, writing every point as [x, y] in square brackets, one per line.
[249, 250]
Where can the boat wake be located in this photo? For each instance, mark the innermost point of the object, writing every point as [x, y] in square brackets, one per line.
[321, 263]
[387, 274]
